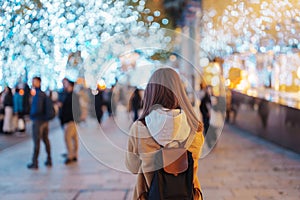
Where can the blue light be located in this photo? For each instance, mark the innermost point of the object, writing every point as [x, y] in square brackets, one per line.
[262, 49]
[165, 21]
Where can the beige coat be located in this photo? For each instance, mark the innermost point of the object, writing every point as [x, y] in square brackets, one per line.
[140, 157]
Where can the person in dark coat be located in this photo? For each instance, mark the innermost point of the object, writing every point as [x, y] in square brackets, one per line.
[135, 103]
[19, 109]
[40, 126]
[8, 127]
[1, 111]
[26, 100]
[107, 95]
[70, 114]
[99, 102]
[205, 107]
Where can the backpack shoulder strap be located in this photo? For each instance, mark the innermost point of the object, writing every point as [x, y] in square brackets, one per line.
[143, 121]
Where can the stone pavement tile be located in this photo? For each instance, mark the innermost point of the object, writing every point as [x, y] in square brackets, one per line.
[60, 195]
[53, 195]
[237, 198]
[103, 195]
[108, 179]
[248, 167]
[216, 193]
[211, 183]
[120, 183]
[14, 196]
[129, 194]
[7, 141]
[290, 194]
[257, 193]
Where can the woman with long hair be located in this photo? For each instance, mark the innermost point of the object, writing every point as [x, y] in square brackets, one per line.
[167, 118]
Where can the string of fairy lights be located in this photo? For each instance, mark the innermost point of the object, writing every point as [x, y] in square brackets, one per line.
[255, 25]
[37, 36]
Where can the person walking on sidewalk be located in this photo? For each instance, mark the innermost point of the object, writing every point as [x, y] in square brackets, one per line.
[135, 103]
[99, 102]
[18, 111]
[70, 113]
[167, 119]
[40, 126]
[8, 126]
[1, 111]
[205, 106]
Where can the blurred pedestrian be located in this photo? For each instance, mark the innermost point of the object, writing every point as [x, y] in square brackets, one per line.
[168, 119]
[69, 115]
[236, 100]
[19, 110]
[135, 103]
[205, 106]
[8, 126]
[1, 111]
[84, 103]
[216, 122]
[98, 105]
[263, 112]
[26, 100]
[114, 99]
[40, 125]
[228, 104]
[107, 94]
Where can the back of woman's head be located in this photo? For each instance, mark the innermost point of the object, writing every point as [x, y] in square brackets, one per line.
[165, 89]
[161, 89]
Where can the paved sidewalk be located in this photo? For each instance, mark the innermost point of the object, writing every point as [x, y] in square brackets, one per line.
[245, 167]
[7, 141]
[241, 167]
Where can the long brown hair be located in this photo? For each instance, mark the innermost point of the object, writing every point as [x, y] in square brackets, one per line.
[166, 89]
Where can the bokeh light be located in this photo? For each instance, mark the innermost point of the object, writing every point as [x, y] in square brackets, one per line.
[256, 25]
[38, 37]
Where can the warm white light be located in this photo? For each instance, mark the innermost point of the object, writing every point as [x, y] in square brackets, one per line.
[101, 84]
[247, 25]
[227, 83]
[215, 81]
[95, 92]
[173, 58]
[204, 62]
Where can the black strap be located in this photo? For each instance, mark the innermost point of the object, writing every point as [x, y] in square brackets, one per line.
[143, 121]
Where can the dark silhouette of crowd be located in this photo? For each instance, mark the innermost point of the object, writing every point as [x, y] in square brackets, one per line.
[103, 102]
[14, 109]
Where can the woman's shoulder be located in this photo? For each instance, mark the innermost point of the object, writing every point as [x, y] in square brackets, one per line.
[138, 129]
[137, 124]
